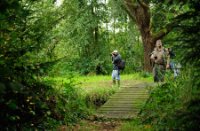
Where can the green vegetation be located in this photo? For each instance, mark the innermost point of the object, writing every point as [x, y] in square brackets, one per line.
[95, 90]
[55, 61]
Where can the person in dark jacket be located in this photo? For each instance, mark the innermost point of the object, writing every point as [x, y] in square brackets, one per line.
[116, 58]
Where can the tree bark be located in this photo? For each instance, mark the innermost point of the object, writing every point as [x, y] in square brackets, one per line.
[140, 13]
[142, 16]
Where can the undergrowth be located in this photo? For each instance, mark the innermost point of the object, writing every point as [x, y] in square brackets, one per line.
[174, 105]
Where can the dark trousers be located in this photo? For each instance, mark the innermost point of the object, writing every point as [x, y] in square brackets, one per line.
[158, 73]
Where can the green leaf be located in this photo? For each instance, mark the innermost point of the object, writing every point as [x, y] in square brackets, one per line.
[12, 104]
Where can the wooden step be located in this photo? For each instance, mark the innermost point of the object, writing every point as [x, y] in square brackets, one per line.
[125, 103]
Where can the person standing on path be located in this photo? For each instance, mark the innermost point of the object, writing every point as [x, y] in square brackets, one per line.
[116, 59]
[160, 61]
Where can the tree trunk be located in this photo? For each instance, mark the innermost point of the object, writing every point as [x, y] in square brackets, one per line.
[148, 47]
[141, 15]
[139, 11]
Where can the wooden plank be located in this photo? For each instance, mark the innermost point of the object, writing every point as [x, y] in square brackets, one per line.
[126, 99]
[131, 92]
[129, 97]
[122, 105]
[125, 103]
[118, 111]
[118, 116]
[114, 102]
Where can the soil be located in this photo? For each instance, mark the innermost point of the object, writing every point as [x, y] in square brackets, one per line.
[88, 125]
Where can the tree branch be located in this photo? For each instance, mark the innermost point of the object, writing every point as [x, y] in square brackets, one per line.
[130, 3]
[128, 12]
[163, 32]
[143, 4]
[170, 26]
[129, 7]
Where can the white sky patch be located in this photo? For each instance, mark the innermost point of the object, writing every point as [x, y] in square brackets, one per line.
[58, 3]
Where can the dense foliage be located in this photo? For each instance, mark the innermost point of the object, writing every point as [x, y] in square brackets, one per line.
[25, 56]
[176, 105]
[39, 37]
[90, 32]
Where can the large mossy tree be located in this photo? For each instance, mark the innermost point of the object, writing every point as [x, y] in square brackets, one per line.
[154, 21]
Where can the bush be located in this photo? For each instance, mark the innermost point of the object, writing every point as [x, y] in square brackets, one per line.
[23, 105]
[174, 105]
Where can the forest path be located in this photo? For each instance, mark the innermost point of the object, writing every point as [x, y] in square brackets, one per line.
[125, 103]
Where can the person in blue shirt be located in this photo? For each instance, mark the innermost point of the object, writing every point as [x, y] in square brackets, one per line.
[116, 58]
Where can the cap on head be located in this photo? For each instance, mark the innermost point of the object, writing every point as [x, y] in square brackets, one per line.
[115, 52]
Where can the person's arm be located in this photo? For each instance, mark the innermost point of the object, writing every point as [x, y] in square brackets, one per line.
[152, 56]
[168, 62]
[168, 59]
[112, 57]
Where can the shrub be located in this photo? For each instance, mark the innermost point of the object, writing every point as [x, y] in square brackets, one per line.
[174, 105]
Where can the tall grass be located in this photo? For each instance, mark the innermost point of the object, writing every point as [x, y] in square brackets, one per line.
[135, 125]
[96, 90]
[96, 81]
[87, 93]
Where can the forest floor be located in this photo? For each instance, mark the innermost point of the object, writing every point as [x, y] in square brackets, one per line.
[92, 125]
[107, 125]
[96, 124]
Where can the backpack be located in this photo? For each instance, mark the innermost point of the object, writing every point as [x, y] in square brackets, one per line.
[121, 65]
